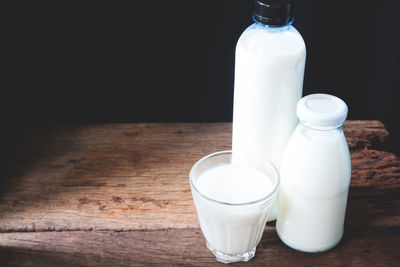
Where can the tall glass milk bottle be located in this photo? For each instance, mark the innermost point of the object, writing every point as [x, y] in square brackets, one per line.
[269, 69]
[315, 176]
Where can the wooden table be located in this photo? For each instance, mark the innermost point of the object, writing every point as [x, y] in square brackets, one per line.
[118, 195]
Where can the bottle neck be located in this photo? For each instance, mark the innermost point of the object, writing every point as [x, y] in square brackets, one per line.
[322, 128]
[273, 28]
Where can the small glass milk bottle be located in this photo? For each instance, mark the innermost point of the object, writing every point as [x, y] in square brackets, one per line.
[315, 176]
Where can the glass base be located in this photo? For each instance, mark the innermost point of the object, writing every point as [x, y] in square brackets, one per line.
[228, 258]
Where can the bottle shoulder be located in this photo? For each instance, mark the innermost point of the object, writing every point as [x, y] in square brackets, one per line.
[318, 142]
[272, 40]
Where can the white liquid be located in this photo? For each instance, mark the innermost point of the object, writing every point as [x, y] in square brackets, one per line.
[233, 229]
[269, 71]
[315, 177]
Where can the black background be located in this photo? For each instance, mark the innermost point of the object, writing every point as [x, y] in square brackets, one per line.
[173, 61]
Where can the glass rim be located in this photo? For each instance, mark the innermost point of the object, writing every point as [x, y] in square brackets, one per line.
[268, 196]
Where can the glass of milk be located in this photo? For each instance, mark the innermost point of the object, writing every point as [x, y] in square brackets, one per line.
[233, 195]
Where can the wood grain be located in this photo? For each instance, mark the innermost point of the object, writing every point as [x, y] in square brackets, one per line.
[127, 177]
[359, 247]
[364, 134]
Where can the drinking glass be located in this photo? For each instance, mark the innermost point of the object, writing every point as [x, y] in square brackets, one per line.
[233, 230]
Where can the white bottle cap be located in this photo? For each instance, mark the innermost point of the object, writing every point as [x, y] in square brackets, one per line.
[322, 110]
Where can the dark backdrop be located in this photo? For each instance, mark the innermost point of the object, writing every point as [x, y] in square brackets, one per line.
[167, 61]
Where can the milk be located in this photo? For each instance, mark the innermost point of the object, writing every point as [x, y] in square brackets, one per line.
[234, 183]
[229, 225]
[269, 69]
[315, 177]
[326, 226]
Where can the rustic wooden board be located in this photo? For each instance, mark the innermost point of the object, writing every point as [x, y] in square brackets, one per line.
[135, 176]
[118, 195]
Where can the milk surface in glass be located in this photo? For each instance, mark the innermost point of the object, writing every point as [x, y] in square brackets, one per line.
[269, 69]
